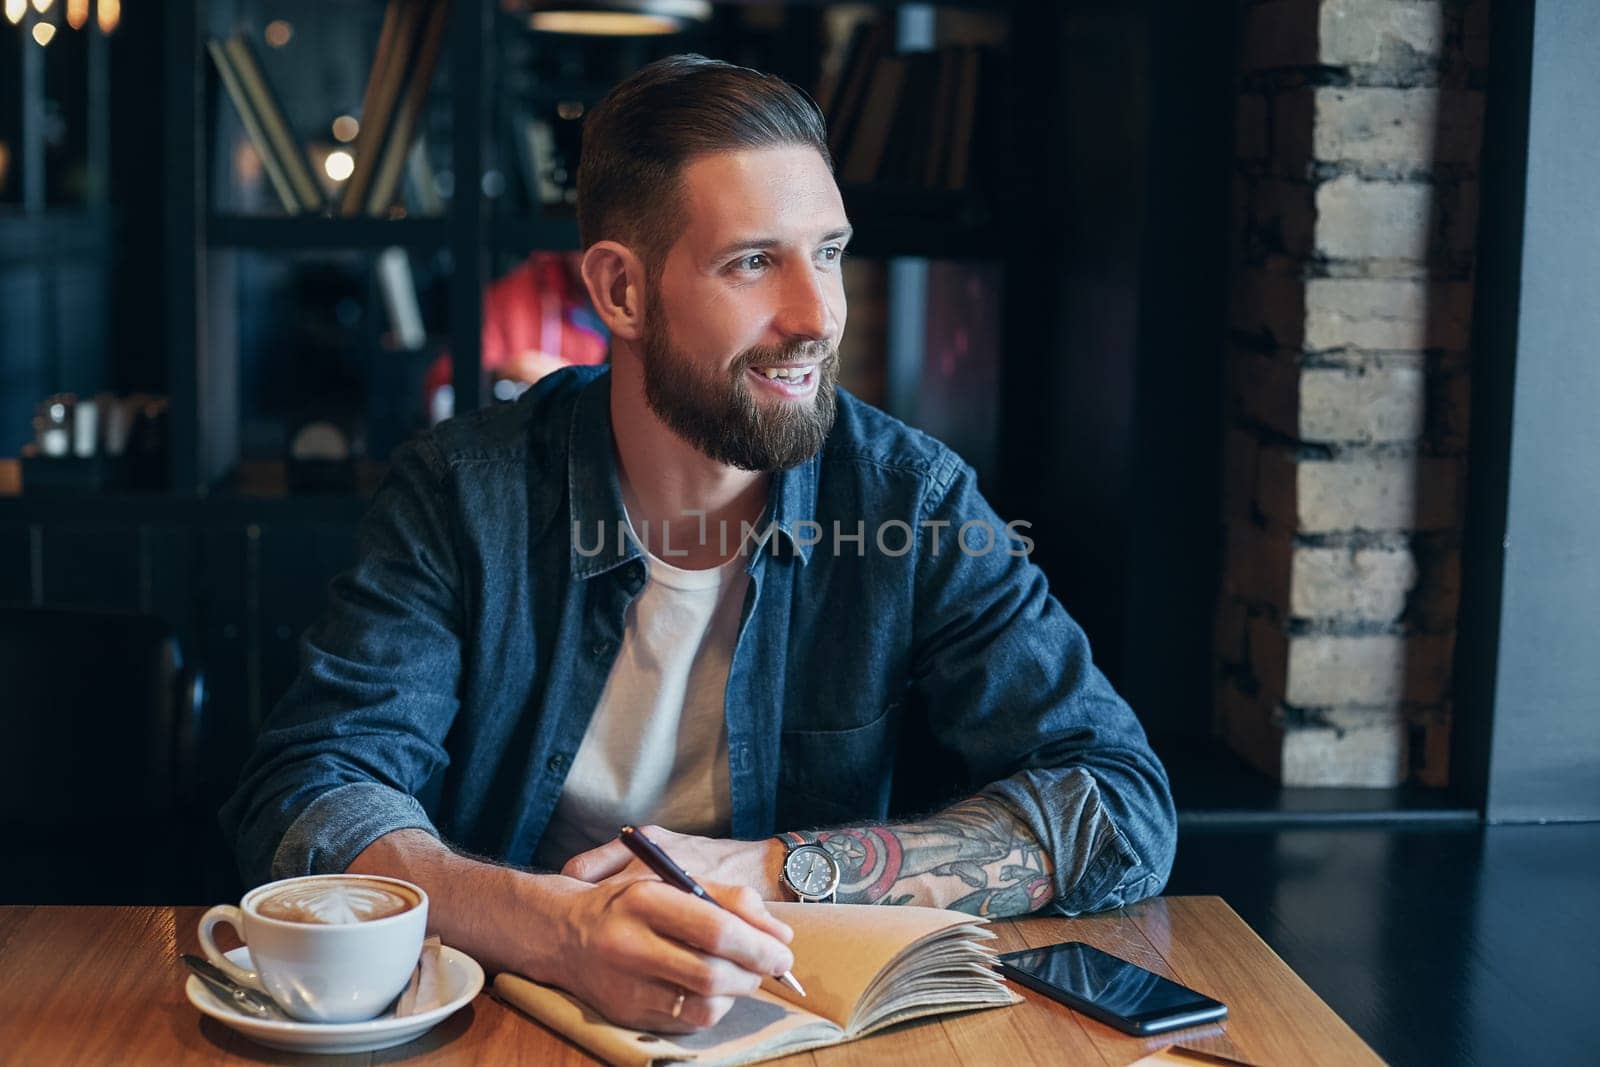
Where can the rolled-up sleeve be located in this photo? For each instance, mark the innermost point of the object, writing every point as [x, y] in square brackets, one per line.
[341, 758]
[1009, 684]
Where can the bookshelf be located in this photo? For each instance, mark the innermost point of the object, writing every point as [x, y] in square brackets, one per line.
[237, 562]
[212, 239]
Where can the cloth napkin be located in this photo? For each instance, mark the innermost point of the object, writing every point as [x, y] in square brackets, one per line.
[426, 989]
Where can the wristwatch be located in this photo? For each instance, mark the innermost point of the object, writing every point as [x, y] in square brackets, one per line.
[810, 872]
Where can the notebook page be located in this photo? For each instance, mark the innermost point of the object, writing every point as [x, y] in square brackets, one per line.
[840, 948]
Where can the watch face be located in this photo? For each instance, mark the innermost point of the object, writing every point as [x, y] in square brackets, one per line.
[811, 871]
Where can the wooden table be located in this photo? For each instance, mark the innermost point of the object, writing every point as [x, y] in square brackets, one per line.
[90, 985]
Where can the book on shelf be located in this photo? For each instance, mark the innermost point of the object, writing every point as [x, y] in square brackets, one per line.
[944, 102]
[403, 132]
[282, 142]
[911, 130]
[252, 127]
[871, 134]
[864, 967]
[422, 184]
[869, 43]
[965, 117]
[397, 288]
[909, 121]
[378, 100]
[838, 62]
[409, 44]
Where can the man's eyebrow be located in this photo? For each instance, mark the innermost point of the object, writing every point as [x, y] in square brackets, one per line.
[843, 233]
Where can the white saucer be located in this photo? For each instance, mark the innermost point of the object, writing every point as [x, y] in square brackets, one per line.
[461, 978]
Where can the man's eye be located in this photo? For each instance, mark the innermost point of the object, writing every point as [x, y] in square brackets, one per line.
[751, 262]
[832, 254]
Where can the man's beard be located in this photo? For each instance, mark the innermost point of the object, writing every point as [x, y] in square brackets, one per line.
[715, 411]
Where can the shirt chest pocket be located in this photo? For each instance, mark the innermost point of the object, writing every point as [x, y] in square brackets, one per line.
[832, 777]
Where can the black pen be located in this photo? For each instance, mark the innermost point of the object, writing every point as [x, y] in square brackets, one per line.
[651, 855]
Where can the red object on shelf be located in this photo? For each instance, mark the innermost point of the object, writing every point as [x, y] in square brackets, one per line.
[534, 323]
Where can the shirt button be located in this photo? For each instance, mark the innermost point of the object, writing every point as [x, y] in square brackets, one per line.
[601, 649]
[556, 763]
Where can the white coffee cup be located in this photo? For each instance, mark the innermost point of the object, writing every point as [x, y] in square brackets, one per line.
[340, 949]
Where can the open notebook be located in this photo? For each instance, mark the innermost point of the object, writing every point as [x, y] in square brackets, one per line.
[864, 967]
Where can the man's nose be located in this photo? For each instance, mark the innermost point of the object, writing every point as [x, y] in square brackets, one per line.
[805, 312]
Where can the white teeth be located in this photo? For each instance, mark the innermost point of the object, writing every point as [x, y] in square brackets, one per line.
[789, 374]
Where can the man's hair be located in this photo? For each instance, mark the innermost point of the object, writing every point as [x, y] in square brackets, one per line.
[637, 141]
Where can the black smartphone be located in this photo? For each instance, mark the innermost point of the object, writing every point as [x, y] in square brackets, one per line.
[1112, 990]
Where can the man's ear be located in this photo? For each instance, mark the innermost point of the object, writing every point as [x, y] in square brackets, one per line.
[614, 277]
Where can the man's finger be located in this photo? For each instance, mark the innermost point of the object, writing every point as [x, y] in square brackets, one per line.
[696, 972]
[666, 1014]
[598, 864]
[714, 931]
[748, 905]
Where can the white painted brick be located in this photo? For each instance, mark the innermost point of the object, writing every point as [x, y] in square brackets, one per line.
[1344, 584]
[1379, 31]
[1369, 671]
[1372, 756]
[1408, 127]
[1390, 314]
[1326, 670]
[1358, 219]
[1372, 492]
[1366, 404]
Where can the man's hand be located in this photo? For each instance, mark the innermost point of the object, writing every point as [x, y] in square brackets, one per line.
[755, 864]
[634, 946]
[627, 947]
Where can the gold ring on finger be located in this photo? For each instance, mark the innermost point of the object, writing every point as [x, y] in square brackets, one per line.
[677, 1005]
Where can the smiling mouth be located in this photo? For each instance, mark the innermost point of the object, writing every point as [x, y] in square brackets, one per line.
[789, 380]
[786, 374]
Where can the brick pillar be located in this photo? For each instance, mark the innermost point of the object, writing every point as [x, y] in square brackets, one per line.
[1355, 221]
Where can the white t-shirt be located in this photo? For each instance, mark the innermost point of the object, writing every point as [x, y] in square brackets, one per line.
[656, 750]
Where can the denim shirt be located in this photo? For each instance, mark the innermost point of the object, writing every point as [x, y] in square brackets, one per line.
[885, 663]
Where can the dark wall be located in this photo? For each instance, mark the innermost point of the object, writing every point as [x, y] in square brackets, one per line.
[1129, 502]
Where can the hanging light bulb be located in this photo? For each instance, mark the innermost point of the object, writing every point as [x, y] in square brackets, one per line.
[15, 9]
[41, 6]
[77, 13]
[43, 33]
[617, 18]
[108, 14]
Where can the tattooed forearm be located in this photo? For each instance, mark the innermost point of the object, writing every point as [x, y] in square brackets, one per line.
[974, 856]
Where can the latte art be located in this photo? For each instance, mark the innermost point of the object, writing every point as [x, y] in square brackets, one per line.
[336, 902]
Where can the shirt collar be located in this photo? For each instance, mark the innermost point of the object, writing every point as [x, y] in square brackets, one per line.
[600, 521]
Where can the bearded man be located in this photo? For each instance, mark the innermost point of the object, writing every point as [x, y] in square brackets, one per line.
[703, 590]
